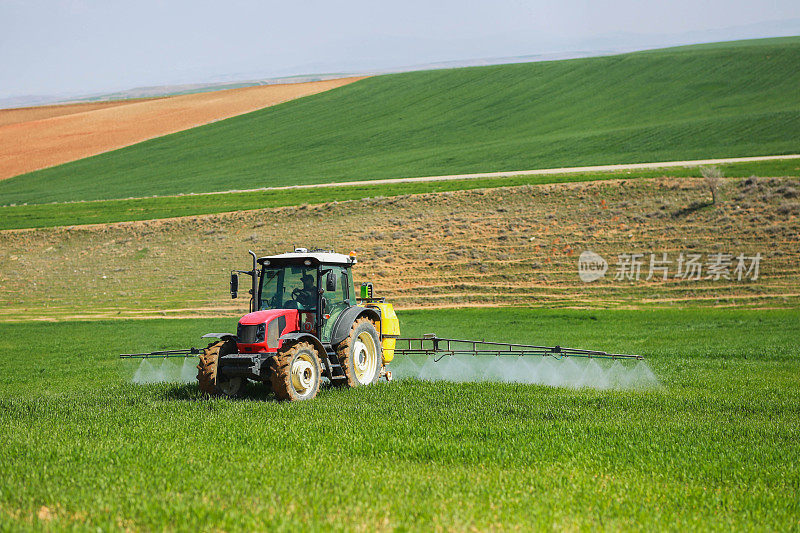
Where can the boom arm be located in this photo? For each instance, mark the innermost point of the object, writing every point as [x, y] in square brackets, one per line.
[432, 345]
[162, 354]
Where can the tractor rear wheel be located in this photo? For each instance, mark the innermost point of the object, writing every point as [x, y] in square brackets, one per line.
[208, 378]
[297, 372]
[360, 354]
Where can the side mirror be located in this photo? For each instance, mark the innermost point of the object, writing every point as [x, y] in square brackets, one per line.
[330, 282]
[234, 285]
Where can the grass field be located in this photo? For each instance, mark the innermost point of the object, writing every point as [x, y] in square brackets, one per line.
[726, 100]
[105, 211]
[716, 448]
[85, 267]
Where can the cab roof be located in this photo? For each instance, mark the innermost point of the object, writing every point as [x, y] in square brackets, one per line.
[318, 256]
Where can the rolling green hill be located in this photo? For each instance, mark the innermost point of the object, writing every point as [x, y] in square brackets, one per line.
[725, 100]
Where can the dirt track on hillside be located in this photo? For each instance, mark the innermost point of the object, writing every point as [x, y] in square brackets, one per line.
[509, 174]
[53, 135]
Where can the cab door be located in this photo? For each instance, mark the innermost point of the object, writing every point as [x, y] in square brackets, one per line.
[334, 301]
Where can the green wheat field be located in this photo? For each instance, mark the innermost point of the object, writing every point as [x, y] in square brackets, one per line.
[715, 447]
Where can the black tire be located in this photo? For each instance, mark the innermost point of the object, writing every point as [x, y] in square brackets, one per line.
[361, 363]
[208, 378]
[297, 372]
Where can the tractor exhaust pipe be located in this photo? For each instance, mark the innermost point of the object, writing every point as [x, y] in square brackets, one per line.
[253, 298]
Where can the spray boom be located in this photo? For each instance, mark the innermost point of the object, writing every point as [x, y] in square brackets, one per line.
[162, 354]
[431, 345]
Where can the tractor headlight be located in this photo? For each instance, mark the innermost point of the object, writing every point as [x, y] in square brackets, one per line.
[251, 334]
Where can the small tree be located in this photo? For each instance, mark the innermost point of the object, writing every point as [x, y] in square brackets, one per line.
[711, 176]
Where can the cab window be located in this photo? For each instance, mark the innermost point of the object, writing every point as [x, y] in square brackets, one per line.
[291, 287]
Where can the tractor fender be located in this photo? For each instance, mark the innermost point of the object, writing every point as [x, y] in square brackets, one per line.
[308, 337]
[221, 336]
[341, 329]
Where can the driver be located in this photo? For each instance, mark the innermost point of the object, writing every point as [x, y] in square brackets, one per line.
[307, 296]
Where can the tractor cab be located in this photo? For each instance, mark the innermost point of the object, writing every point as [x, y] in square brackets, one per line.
[318, 284]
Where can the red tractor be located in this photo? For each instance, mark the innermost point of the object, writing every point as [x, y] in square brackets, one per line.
[305, 323]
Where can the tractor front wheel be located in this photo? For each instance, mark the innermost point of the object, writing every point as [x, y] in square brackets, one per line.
[360, 354]
[297, 372]
[208, 378]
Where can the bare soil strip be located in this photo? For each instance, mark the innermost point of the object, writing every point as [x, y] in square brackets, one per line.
[54, 136]
[29, 114]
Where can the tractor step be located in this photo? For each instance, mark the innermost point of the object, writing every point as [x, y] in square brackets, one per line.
[333, 368]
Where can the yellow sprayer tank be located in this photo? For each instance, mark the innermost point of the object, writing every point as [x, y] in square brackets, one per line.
[390, 329]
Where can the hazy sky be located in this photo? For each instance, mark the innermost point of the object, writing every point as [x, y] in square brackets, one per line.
[80, 46]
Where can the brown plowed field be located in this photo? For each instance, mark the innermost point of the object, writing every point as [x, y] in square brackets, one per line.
[35, 138]
[29, 114]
